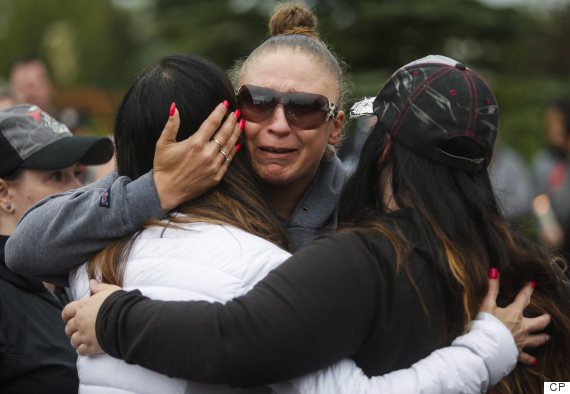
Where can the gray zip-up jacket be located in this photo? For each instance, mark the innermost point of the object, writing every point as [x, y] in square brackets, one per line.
[65, 230]
[316, 212]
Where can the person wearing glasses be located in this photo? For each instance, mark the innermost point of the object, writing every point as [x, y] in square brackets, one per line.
[303, 182]
[291, 95]
[293, 118]
[217, 246]
[420, 232]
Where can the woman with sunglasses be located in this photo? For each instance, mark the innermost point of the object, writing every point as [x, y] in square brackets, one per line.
[293, 119]
[287, 149]
[406, 273]
[210, 248]
[290, 94]
[219, 245]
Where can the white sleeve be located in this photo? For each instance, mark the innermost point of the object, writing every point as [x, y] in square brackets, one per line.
[473, 363]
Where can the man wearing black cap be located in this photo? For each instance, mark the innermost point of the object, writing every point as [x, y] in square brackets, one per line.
[38, 157]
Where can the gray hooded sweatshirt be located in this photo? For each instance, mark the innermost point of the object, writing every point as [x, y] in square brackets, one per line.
[65, 230]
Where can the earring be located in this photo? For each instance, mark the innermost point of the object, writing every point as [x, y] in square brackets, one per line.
[9, 208]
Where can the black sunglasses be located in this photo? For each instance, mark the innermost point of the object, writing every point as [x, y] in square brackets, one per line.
[303, 110]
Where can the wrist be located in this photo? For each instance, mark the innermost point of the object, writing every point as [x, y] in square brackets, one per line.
[105, 322]
[165, 196]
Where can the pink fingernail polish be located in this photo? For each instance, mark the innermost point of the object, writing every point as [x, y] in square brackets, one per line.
[532, 284]
[226, 104]
[493, 273]
[172, 110]
[535, 363]
[237, 113]
[238, 147]
[241, 124]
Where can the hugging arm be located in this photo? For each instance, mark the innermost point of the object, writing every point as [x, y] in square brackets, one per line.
[67, 229]
[269, 335]
[472, 364]
[311, 312]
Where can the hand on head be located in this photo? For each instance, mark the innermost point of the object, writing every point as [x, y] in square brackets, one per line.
[186, 169]
[80, 317]
[522, 328]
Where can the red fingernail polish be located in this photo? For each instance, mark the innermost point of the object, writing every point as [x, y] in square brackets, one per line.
[535, 363]
[241, 124]
[226, 104]
[237, 113]
[532, 284]
[238, 147]
[172, 110]
[493, 273]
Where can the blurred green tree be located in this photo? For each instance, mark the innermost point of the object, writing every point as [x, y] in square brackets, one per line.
[83, 41]
[524, 53]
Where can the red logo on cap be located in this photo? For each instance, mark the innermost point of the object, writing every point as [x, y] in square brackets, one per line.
[35, 114]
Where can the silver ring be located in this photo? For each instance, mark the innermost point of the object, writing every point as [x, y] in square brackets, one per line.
[218, 142]
[225, 156]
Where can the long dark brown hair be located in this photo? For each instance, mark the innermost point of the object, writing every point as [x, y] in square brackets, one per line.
[457, 216]
[197, 86]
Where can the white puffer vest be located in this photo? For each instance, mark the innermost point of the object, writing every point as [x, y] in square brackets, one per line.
[209, 262]
[196, 261]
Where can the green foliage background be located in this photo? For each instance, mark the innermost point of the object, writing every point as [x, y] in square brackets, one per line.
[100, 46]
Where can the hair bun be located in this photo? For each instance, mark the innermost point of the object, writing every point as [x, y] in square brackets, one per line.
[293, 18]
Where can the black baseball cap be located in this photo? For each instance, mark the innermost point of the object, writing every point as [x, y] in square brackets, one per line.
[433, 100]
[30, 138]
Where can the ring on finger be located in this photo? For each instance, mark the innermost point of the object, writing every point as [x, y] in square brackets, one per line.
[219, 143]
[225, 155]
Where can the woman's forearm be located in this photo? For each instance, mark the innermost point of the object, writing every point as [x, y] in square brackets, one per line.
[309, 313]
[77, 224]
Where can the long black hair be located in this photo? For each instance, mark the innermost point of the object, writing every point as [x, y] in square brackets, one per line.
[457, 216]
[197, 86]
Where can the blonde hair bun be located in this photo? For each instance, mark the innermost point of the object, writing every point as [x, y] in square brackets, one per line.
[293, 18]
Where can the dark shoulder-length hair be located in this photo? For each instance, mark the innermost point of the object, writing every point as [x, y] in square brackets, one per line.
[197, 86]
[457, 216]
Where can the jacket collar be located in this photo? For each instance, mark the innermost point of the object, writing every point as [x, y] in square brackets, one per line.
[319, 202]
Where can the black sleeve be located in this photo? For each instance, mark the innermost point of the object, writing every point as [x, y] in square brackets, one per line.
[315, 309]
